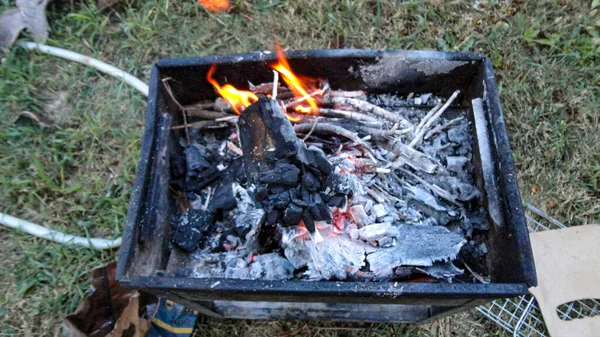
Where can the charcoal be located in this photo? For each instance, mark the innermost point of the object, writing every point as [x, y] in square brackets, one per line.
[280, 200]
[261, 193]
[266, 136]
[337, 201]
[273, 216]
[479, 221]
[324, 213]
[183, 272]
[321, 161]
[306, 156]
[191, 228]
[309, 182]
[177, 163]
[292, 214]
[223, 198]
[309, 221]
[198, 182]
[195, 159]
[282, 173]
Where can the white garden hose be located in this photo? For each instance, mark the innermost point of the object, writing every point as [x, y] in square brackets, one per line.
[41, 231]
[101, 66]
[50, 234]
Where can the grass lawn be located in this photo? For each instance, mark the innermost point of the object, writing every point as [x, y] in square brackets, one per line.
[77, 176]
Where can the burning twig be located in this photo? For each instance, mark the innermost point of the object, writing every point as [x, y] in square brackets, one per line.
[304, 98]
[432, 119]
[275, 84]
[373, 109]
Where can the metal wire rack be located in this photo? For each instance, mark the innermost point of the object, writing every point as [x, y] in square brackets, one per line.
[521, 316]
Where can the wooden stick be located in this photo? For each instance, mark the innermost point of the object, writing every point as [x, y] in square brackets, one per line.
[200, 125]
[304, 98]
[347, 114]
[428, 116]
[407, 155]
[442, 127]
[312, 129]
[421, 132]
[206, 114]
[373, 109]
[433, 188]
[329, 128]
[185, 123]
[343, 93]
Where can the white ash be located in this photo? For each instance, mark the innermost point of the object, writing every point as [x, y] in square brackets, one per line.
[416, 248]
[336, 257]
[442, 270]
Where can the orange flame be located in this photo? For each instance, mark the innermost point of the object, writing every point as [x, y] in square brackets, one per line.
[237, 99]
[299, 86]
[215, 5]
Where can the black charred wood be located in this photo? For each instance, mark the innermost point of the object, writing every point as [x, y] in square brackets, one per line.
[282, 173]
[266, 136]
[223, 198]
[337, 201]
[292, 214]
[310, 182]
[196, 159]
[191, 229]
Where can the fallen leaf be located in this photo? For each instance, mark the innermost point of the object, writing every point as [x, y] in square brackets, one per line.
[552, 204]
[30, 15]
[535, 189]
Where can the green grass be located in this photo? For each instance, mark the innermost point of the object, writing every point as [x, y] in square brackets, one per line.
[77, 176]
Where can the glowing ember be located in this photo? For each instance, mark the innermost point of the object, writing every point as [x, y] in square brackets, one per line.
[237, 99]
[300, 87]
[215, 5]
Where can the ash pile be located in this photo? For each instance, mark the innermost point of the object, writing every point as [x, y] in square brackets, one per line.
[357, 187]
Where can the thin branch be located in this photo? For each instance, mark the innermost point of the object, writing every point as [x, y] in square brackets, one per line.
[421, 132]
[357, 116]
[312, 129]
[442, 127]
[206, 114]
[329, 128]
[185, 123]
[373, 109]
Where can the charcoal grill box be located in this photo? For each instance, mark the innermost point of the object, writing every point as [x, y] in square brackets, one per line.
[146, 239]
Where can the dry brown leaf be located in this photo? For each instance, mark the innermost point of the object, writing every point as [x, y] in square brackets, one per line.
[30, 15]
